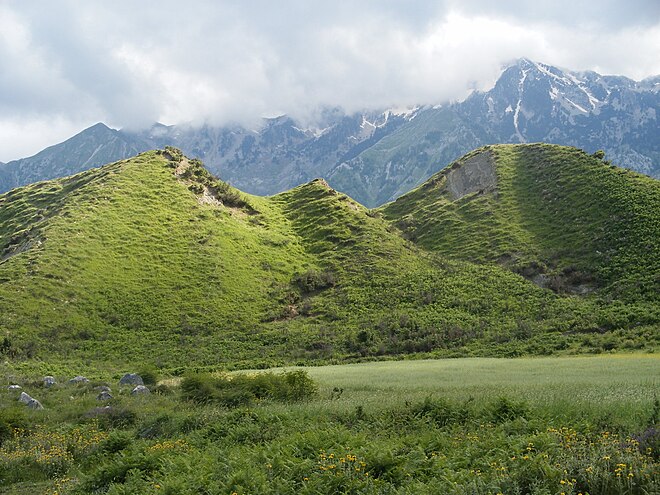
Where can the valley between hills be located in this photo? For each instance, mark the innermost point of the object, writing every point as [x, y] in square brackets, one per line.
[538, 252]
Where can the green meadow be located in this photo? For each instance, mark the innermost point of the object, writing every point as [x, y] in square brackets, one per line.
[555, 425]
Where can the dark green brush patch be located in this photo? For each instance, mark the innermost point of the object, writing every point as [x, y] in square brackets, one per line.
[152, 260]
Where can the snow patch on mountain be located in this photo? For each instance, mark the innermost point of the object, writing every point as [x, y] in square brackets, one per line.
[516, 113]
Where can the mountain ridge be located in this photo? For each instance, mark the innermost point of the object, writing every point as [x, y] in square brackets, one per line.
[379, 155]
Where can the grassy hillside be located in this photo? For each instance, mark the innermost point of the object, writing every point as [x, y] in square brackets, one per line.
[555, 214]
[151, 260]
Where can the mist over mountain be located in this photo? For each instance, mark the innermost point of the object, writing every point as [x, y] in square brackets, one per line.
[377, 156]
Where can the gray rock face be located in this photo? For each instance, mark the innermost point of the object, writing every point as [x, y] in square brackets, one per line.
[76, 380]
[49, 381]
[14, 387]
[29, 401]
[34, 404]
[140, 390]
[104, 395]
[103, 388]
[475, 174]
[131, 379]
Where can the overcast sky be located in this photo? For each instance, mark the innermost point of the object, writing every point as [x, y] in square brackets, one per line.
[65, 65]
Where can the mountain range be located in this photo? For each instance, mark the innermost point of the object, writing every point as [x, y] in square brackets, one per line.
[512, 249]
[377, 156]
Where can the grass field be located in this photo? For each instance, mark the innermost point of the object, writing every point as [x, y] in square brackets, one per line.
[484, 426]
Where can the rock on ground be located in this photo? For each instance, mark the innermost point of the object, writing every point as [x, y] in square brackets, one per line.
[78, 379]
[140, 389]
[131, 379]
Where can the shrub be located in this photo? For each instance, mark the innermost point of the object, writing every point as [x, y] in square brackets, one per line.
[175, 154]
[115, 442]
[200, 388]
[149, 374]
[439, 411]
[505, 409]
[313, 280]
[240, 390]
[10, 420]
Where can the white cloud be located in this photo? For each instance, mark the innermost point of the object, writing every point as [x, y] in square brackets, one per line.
[20, 138]
[131, 63]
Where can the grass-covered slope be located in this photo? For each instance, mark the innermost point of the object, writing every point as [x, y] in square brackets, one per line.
[555, 214]
[127, 261]
[153, 260]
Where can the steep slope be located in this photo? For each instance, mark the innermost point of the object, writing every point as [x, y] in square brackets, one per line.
[555, 214]
[126, 259]
[152, 259]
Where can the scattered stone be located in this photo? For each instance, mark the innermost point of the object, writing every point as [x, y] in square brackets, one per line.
[29, 401]
[103, 388]
[140, 389]
[34, 404]
[14, 387]
[76, 380]
[131, 379]
[49, 381]
[104, 395]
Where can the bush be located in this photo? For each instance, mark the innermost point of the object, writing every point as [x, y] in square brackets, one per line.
[313, 280]
[505, 409]
[115, 442]
[439, 411]
[175, 154]
[10, 420]
[240, 390]
[149, 374]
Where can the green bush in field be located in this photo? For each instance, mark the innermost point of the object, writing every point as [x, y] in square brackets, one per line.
[11, 419]
[149, 374]
[244, 389]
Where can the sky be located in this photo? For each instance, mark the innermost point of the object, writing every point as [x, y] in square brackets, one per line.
[65, 65]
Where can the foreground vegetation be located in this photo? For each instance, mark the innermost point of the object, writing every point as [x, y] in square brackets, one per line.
[481, 426]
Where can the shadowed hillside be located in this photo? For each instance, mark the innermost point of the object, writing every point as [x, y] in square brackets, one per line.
[555, 214]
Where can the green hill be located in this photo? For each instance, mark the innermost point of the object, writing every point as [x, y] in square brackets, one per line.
[153, 260]
[552, 213]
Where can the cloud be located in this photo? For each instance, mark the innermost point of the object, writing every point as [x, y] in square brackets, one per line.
[131, 63]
